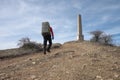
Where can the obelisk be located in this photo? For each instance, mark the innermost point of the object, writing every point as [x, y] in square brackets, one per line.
[80, 36]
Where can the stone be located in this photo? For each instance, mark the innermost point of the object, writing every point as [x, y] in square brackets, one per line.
[84, 66]
[116, 75]
[33, 76]
[110, 79]
[99, 77]
[80, 37]
[33, 62]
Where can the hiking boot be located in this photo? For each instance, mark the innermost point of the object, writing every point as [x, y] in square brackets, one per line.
[48, 50]
[44, 52]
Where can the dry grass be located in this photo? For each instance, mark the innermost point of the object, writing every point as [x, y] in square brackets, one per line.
[72, 61]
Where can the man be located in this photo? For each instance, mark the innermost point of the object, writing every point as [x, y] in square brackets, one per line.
[47, 34]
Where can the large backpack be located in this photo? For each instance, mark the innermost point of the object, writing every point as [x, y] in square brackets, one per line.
[45, 27]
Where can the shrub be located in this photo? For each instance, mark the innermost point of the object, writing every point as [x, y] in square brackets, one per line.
[27, 44]
[101, 37]
[31, 45]
[106, 39]
[56, 45]
[23, 41]
[96, 35]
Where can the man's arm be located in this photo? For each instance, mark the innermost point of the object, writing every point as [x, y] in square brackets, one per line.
[52, 33]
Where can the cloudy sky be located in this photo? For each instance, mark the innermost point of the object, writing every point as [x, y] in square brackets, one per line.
[23, 18]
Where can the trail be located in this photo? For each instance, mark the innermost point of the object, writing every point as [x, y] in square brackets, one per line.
[73, 61]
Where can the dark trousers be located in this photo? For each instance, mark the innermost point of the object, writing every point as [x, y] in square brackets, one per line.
[47, 37]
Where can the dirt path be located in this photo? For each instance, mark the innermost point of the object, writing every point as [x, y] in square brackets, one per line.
[73, 61]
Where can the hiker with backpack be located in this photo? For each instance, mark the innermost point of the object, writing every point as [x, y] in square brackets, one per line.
[48, 35]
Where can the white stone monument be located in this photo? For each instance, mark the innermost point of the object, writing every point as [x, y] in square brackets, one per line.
[80, 36]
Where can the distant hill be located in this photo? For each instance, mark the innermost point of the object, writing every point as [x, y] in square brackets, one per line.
[72, 61]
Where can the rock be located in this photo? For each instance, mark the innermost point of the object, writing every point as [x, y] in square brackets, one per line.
[84, 66]
[98, 77]
[116, 75]
[30, 59]
[95, 60]
[99, 69]
[33, 76]
[56, 45]
[1, 74]
[33, 62]
[67, 72]
[110, 79]
[38, 59]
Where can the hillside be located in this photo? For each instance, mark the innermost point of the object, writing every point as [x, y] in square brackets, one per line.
[72, 61]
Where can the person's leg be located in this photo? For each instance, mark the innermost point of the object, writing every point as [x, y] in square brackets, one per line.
[45, 43]
[50, 43]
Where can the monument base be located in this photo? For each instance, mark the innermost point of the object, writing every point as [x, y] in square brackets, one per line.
[80, 38]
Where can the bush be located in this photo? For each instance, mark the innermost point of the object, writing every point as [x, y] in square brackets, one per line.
[30, 45]
[106, 39]
[96, 35]
[56, 45]
[27, 44]
[23, 41]
[102, 38]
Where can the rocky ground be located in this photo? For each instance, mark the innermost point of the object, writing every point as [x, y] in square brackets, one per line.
[72, 61]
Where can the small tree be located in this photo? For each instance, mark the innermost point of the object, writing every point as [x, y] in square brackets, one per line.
[96, 35]
[23, 41]
[102, 38]
[106, 39]
[27, 44]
